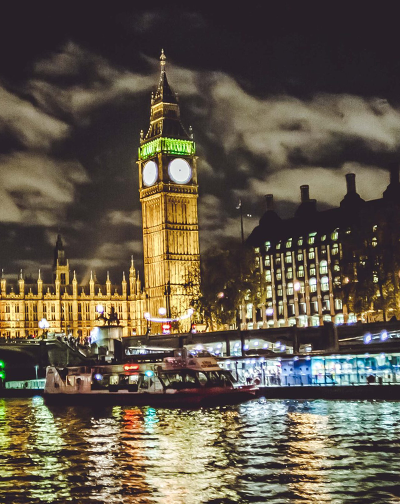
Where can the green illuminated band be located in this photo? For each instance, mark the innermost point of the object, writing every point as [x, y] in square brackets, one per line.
[168, 145]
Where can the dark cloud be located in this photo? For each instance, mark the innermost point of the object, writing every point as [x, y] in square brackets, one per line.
[275, 102]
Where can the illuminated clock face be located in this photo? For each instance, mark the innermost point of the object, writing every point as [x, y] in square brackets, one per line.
[179, 171]
[150, 173]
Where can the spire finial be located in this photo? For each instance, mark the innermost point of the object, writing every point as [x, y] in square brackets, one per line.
[163, 58]
[39, 278]
[108, 276]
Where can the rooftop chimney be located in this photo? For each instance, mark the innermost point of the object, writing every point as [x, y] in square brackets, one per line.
[305, 193]
[351, 183]
[269, 198]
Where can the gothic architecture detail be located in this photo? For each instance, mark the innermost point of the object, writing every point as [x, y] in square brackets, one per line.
[168, 193]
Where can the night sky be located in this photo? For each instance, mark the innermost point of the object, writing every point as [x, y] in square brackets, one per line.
[276, 97]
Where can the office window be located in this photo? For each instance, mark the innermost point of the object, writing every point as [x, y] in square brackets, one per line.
[311, 253]
[288, 258]
[300, 271]
[323, 267]
[324, 283]
[313, 284]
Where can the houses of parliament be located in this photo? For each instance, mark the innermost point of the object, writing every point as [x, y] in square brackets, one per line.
[168, 193]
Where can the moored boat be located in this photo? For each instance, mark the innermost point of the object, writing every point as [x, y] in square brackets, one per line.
[184, 379]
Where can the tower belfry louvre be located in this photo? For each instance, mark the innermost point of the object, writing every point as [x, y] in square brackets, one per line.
[168, 194]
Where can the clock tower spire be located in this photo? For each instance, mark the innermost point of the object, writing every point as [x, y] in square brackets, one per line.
[168, 193]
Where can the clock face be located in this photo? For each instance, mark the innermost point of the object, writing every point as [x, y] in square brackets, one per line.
[179, 171]
[150, 173]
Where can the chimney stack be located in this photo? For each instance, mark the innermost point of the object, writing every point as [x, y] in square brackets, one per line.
[269, 198]
[351, 183]
[305, 193]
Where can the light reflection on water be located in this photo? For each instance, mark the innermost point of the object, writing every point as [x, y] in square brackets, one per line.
[262, 451]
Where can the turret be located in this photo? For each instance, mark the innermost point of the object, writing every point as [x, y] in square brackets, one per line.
[108, 285]
[3, 284]
[21, 284]
[124, 284]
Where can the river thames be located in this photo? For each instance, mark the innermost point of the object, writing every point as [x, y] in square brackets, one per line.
[257, 452]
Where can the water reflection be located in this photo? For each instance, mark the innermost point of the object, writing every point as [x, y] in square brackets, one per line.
[261, 451]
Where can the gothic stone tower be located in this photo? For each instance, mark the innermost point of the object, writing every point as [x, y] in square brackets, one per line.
[168, 193]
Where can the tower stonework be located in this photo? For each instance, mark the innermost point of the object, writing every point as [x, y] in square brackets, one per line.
[168, 193]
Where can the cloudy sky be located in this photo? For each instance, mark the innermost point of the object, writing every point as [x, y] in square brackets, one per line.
[276, 99]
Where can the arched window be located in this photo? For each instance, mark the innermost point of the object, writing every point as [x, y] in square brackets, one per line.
[324, 283]
[323, 267]
[313, 284]
[300, 271]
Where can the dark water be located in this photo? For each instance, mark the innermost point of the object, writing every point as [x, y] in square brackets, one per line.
[275, 452]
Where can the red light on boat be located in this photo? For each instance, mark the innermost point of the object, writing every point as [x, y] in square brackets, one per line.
[131, 367]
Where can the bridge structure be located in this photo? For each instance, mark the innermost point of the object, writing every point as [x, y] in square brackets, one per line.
[32, 356]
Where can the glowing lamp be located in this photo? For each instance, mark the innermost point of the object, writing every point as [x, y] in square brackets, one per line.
[2, 365]
[269, 311]
[149, 373]
[297, 286]
[100, 308]
[384, 335]
[131, 367]
[162, 311]
[2, 375]
[98, 376]
[367, 338]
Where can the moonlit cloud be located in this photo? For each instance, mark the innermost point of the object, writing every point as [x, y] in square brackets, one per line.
[33, 128]
[35, 189]
[327, 186]
[117, 217]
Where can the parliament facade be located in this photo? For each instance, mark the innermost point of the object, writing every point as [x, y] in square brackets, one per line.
[168, 193]
[340, 265]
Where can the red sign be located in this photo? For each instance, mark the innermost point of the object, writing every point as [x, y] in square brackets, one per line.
[166, 327]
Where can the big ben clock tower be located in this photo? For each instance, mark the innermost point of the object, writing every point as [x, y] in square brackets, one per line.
[168, 193]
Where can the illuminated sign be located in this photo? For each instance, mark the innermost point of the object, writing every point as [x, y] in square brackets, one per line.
[166, 328]
[131, 367]
[168, 145]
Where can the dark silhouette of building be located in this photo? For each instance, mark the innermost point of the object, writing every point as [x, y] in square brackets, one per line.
[339, 265]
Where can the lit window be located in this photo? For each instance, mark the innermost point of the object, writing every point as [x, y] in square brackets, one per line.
[257, 250]
[300, 271]
[335, 249]
[324, 283]
[374, 228]
[312, 270]
[323, 267]
[375, 278]
[338, 304]
[300, 241]
[313, 284]
[374, 242]
[289, 289]
[269, 291]
[280, 308]
[299, 255]
[335, 235]
[268, 277]
[311, 238]
[289, 273]
[279, 274]
[337, 281]
[288, 257]
[278, 259]
[311, 253]
[278, 245]
[267, 260]
[289, 243]
[267, 245]
[323, 237]
[279, 290]
[336, 266]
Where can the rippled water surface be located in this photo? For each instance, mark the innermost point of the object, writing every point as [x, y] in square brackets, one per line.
[261, 451]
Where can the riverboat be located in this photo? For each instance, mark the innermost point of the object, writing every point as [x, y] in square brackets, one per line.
[184, 379]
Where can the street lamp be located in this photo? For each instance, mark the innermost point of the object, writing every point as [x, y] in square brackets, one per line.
[44, 325]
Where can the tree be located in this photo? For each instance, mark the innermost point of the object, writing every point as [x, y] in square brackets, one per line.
[229, 278]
